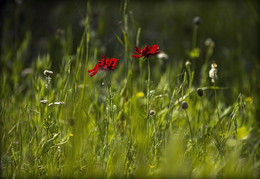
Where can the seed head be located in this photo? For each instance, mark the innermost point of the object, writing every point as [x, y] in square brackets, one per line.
[196, 20]
[152, 112]
[188, 63]
[200, 92]
[184, 105]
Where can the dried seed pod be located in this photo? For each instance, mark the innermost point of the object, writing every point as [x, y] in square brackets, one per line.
[184, 105]
[200, 92]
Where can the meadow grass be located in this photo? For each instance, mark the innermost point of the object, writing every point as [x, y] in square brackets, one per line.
[99, 127]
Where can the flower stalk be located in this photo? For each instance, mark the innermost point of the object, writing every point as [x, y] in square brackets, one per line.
[184, 106]
[148, 87]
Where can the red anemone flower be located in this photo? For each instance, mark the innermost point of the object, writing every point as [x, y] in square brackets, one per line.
[104, 64]
[146, 51]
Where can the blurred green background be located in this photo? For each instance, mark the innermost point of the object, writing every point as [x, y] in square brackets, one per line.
[232, 25]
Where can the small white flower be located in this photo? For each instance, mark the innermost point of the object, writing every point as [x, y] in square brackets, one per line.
[209, 42]
[44, 101]
[162, 56]
[213, 72]
[56, 103]
[187, 63]
[59, 103]
[47, 72]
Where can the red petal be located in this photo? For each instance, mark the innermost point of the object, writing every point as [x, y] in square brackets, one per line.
[93, 73]
[94, 70]
[112, 63]
[106, 62]
[136, 56]
[153, 48]
[145, 48]
[137, 50]
[155, 53]
[145, 51]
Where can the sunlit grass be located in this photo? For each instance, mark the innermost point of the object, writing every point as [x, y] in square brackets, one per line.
[67, 124]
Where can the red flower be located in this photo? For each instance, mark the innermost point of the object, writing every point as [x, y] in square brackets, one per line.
[104, 64]
[146, 52]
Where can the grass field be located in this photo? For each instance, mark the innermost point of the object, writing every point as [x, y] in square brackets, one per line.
[192, 113]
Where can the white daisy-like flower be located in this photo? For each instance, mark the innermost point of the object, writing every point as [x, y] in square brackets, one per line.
[213, 72]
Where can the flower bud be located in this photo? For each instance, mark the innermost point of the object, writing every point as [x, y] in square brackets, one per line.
[188, 63]
[196, 20]
[184, 105]
[200, 92]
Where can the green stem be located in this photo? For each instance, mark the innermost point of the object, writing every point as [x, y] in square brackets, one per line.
[189, 124]
[194, 37]
[148, 86]
[111, 113]
[155, 134]
[215, 91]
[148, 94]
[216, 100]
[203, 111]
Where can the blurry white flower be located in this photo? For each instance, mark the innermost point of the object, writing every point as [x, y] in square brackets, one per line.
[59, 103]
[209, 42]
[213, 72]
[47, 72]
[26, 71]
[162, 56]
[56, 103]
[187, 63]
[44, 101]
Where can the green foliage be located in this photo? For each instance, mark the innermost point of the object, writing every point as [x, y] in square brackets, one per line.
[65, 124]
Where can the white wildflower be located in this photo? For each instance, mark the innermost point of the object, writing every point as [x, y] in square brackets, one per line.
[187, 63]
[209, 42]
[44, 101]
[59, 103]
[56, 103]
[162, 56]
[47, 72]
[213, 72]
